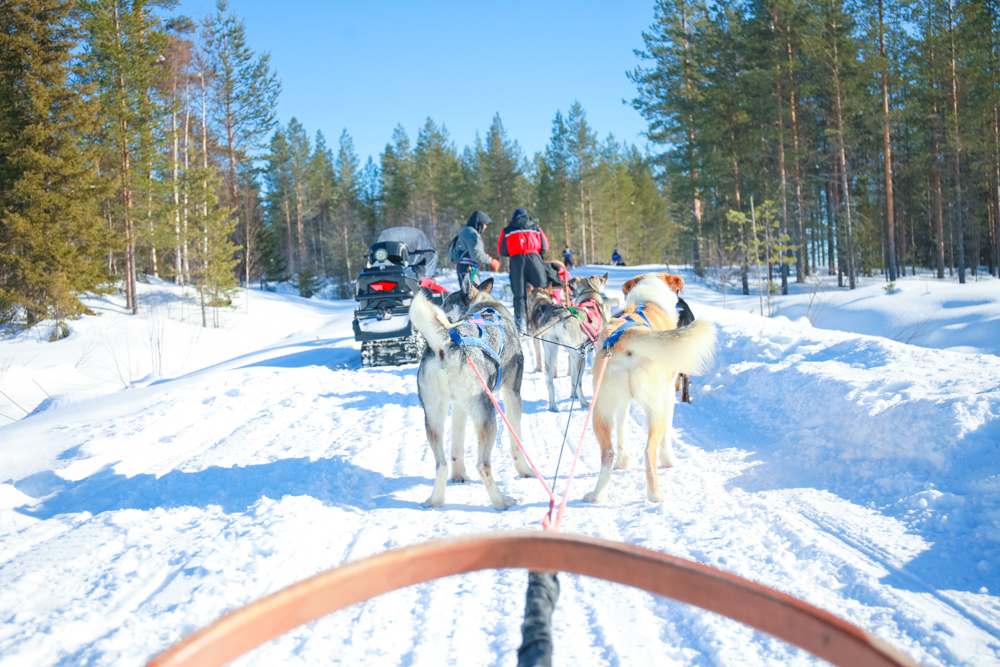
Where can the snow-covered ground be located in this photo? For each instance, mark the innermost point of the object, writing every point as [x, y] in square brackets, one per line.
[846, 451]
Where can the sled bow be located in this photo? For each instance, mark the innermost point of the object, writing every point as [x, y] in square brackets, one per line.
[767, 610]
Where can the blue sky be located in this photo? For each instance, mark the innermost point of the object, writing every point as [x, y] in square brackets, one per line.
[371, 64]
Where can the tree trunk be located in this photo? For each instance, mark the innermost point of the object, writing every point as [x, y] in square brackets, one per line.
[696, 203]
[590, 212]
[782, 178]
[130, 278]
[175, 163]
[887, 150]
[744, 268]
[299, 227]
[995, 229]
[842, 158]
[801, 267]
[583, 215]
[839, 229]
[959, 218]
[187, 185]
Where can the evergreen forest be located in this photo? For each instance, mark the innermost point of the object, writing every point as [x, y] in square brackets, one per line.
[828, 137]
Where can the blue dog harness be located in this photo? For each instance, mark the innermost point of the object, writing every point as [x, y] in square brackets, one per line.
[479, 341]
[610, 341]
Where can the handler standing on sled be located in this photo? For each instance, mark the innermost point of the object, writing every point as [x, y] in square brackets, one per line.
[468, 248]
[523, 241]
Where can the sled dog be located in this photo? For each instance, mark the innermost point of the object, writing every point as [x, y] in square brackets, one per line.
[645, 359]
[445, 378]
[558, 326]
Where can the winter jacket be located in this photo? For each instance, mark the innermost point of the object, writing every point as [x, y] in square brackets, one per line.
[522, 237]
[470, 243]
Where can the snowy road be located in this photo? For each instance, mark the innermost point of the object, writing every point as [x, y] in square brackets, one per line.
[857, 473]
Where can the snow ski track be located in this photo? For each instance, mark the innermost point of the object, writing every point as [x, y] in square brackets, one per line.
[874, 555]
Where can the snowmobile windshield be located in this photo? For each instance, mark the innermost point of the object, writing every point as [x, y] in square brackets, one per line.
[423, 256]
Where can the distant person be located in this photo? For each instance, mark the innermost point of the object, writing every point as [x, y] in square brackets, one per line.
[467, 248]
[568, 257]
[616, 259]
[523, 241]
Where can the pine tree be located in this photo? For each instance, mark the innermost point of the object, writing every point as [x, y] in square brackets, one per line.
[51, 233]
[397, 179]
[125, 41]
[346, 193]
[435, 183]
[501, 178]
[280, 194]
[581, 142]
[244, 95]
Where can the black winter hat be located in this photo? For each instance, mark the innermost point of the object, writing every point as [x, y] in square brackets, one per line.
[518, 212]
[478, 220]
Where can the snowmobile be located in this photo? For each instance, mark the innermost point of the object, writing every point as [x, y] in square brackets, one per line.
[401, 261]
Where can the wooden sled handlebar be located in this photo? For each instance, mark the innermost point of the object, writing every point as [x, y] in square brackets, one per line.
[777, 614]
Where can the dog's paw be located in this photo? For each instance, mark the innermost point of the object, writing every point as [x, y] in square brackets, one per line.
[592, 497]
[654, 496]
[623, 462]
[667, 461]
[584, 403]
[506, 503]
[525, 471]
[553, 407]
[460, 478]
[432, 502]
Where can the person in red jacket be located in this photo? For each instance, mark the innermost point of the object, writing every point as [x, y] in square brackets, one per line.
[524, 242]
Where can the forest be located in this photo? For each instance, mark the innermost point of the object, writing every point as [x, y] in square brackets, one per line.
[832, 137]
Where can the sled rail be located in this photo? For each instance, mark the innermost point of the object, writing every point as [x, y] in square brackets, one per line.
[767, 610]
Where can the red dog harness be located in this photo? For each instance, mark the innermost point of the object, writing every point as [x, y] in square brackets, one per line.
[589, 316]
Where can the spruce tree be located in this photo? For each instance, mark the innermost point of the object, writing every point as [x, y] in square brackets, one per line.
[51, 233]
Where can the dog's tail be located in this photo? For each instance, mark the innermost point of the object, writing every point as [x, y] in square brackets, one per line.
[687, 349]
[430, 321]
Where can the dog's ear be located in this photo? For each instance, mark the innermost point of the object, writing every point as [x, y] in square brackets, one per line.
[530, 290]
[485, 286]
[629, 284]
[676, 283]
[604, 280]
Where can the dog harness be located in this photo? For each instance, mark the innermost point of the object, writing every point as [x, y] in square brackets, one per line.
[479, 319]
[610, 341]
[590, 317]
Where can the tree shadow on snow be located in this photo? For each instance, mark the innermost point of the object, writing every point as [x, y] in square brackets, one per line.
[334, 481]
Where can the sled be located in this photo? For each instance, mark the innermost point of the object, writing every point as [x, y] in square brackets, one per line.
[762, 608]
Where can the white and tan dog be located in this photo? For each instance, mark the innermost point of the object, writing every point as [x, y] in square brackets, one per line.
[643, 368]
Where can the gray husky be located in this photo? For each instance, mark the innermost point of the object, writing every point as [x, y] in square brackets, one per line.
[558, 326]
[445, 378]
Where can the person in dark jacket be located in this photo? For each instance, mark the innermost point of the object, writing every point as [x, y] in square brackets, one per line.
[616, 259]
[469, 245]
[568, 257]
[524, 242]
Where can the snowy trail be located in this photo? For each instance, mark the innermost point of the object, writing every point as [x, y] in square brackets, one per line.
[853, 472]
